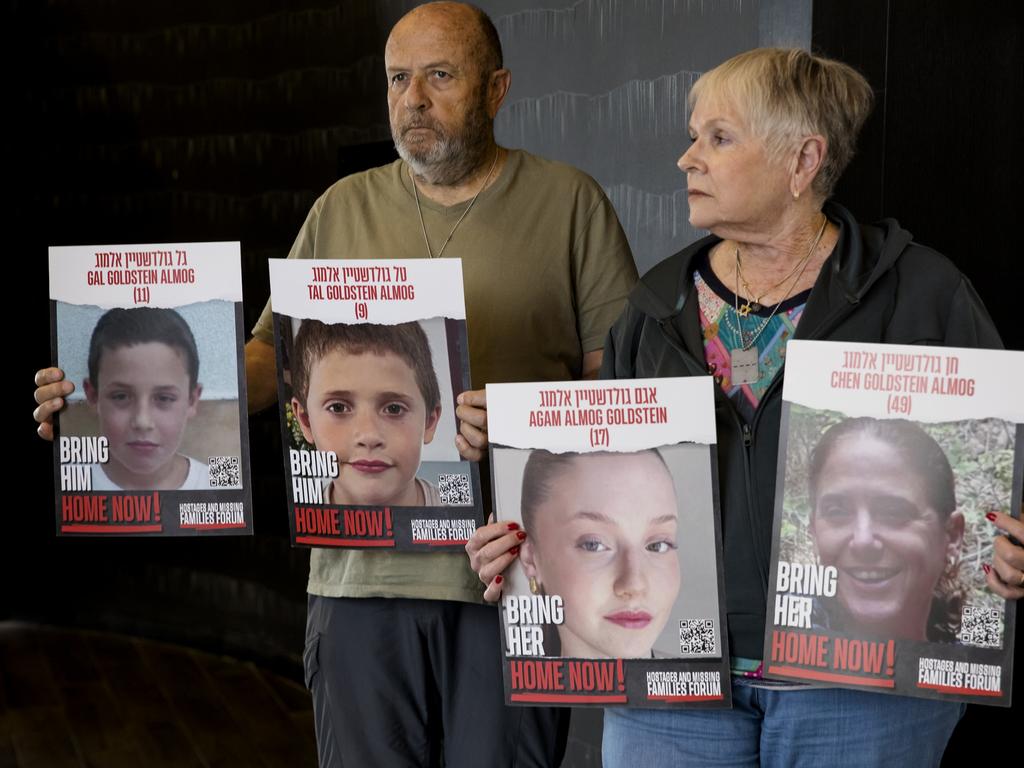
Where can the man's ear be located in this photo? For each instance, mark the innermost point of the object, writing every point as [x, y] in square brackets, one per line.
[498, 84]
[433, 417]
[303, 418]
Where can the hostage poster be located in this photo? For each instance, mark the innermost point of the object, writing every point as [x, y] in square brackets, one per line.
[154, 439]
[615, 597]
[890, 458]
[371, 356]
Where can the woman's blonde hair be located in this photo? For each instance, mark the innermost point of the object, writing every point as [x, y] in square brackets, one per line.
[788, 93]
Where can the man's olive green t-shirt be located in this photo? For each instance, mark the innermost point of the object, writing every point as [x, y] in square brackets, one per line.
[546, 269]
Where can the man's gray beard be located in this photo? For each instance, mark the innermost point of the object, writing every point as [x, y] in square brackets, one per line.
[452, 158]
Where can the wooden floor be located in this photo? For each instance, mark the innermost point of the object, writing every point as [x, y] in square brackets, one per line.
[76, 699]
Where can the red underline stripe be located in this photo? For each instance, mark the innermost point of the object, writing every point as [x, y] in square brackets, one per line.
[833, 677]
[958, 691]
[329, 542]
[569, 698]
[111, 528]
[686, 698]
[440, 542]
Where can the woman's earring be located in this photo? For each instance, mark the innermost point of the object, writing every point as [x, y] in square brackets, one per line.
[533, 586]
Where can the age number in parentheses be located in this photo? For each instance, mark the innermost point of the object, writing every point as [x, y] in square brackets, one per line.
[898, 404]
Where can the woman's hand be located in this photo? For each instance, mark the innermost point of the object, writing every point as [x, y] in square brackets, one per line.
[491, 550]
[1006, 574]
[51, 389]
[472, 412]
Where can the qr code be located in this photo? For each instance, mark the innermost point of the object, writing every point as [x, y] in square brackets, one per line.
[982, 627]
[454, 490]
[697, 637]
[224, 472]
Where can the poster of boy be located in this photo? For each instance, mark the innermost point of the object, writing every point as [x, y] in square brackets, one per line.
[371, 356]
[615, 596]
[891, 462]
[154, 440]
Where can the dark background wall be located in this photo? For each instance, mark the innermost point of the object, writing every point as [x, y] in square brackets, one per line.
[942, 150]
[185, 120]
[942, 153]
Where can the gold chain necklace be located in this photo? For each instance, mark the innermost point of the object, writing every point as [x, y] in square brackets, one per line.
[419, 209]
[743, 360]
[754, 304]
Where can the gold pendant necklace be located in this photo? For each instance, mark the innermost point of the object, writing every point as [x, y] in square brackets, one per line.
[743, 360]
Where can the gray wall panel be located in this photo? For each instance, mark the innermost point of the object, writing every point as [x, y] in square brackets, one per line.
[602, 85]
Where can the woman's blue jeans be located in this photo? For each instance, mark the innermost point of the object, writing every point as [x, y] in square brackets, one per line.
[784, 729]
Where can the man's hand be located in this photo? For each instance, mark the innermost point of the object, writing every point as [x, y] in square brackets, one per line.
[51, 390]
[591, 364]
[472, 412]
[260, 375]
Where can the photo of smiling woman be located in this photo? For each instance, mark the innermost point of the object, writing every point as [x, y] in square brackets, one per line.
[884, 513]
[899, 517]
[616, 554]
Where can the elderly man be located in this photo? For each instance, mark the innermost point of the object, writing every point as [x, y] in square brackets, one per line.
[402, 660]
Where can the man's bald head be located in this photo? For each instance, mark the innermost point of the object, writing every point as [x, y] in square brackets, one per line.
[464, 21]
[445, 87]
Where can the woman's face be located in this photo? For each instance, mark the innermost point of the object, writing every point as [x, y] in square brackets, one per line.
[605, 541]
[872, 521]
[734, 187]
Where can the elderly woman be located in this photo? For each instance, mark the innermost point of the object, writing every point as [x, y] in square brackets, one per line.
[772, 130]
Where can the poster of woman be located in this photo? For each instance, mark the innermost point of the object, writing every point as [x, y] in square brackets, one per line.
[616, 598]
[891, 462]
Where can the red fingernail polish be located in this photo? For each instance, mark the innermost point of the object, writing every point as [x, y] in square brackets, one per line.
[513, 526]
[991, 516]
[987, 567]
[514, 551]
[521, 535]
[498, 579]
